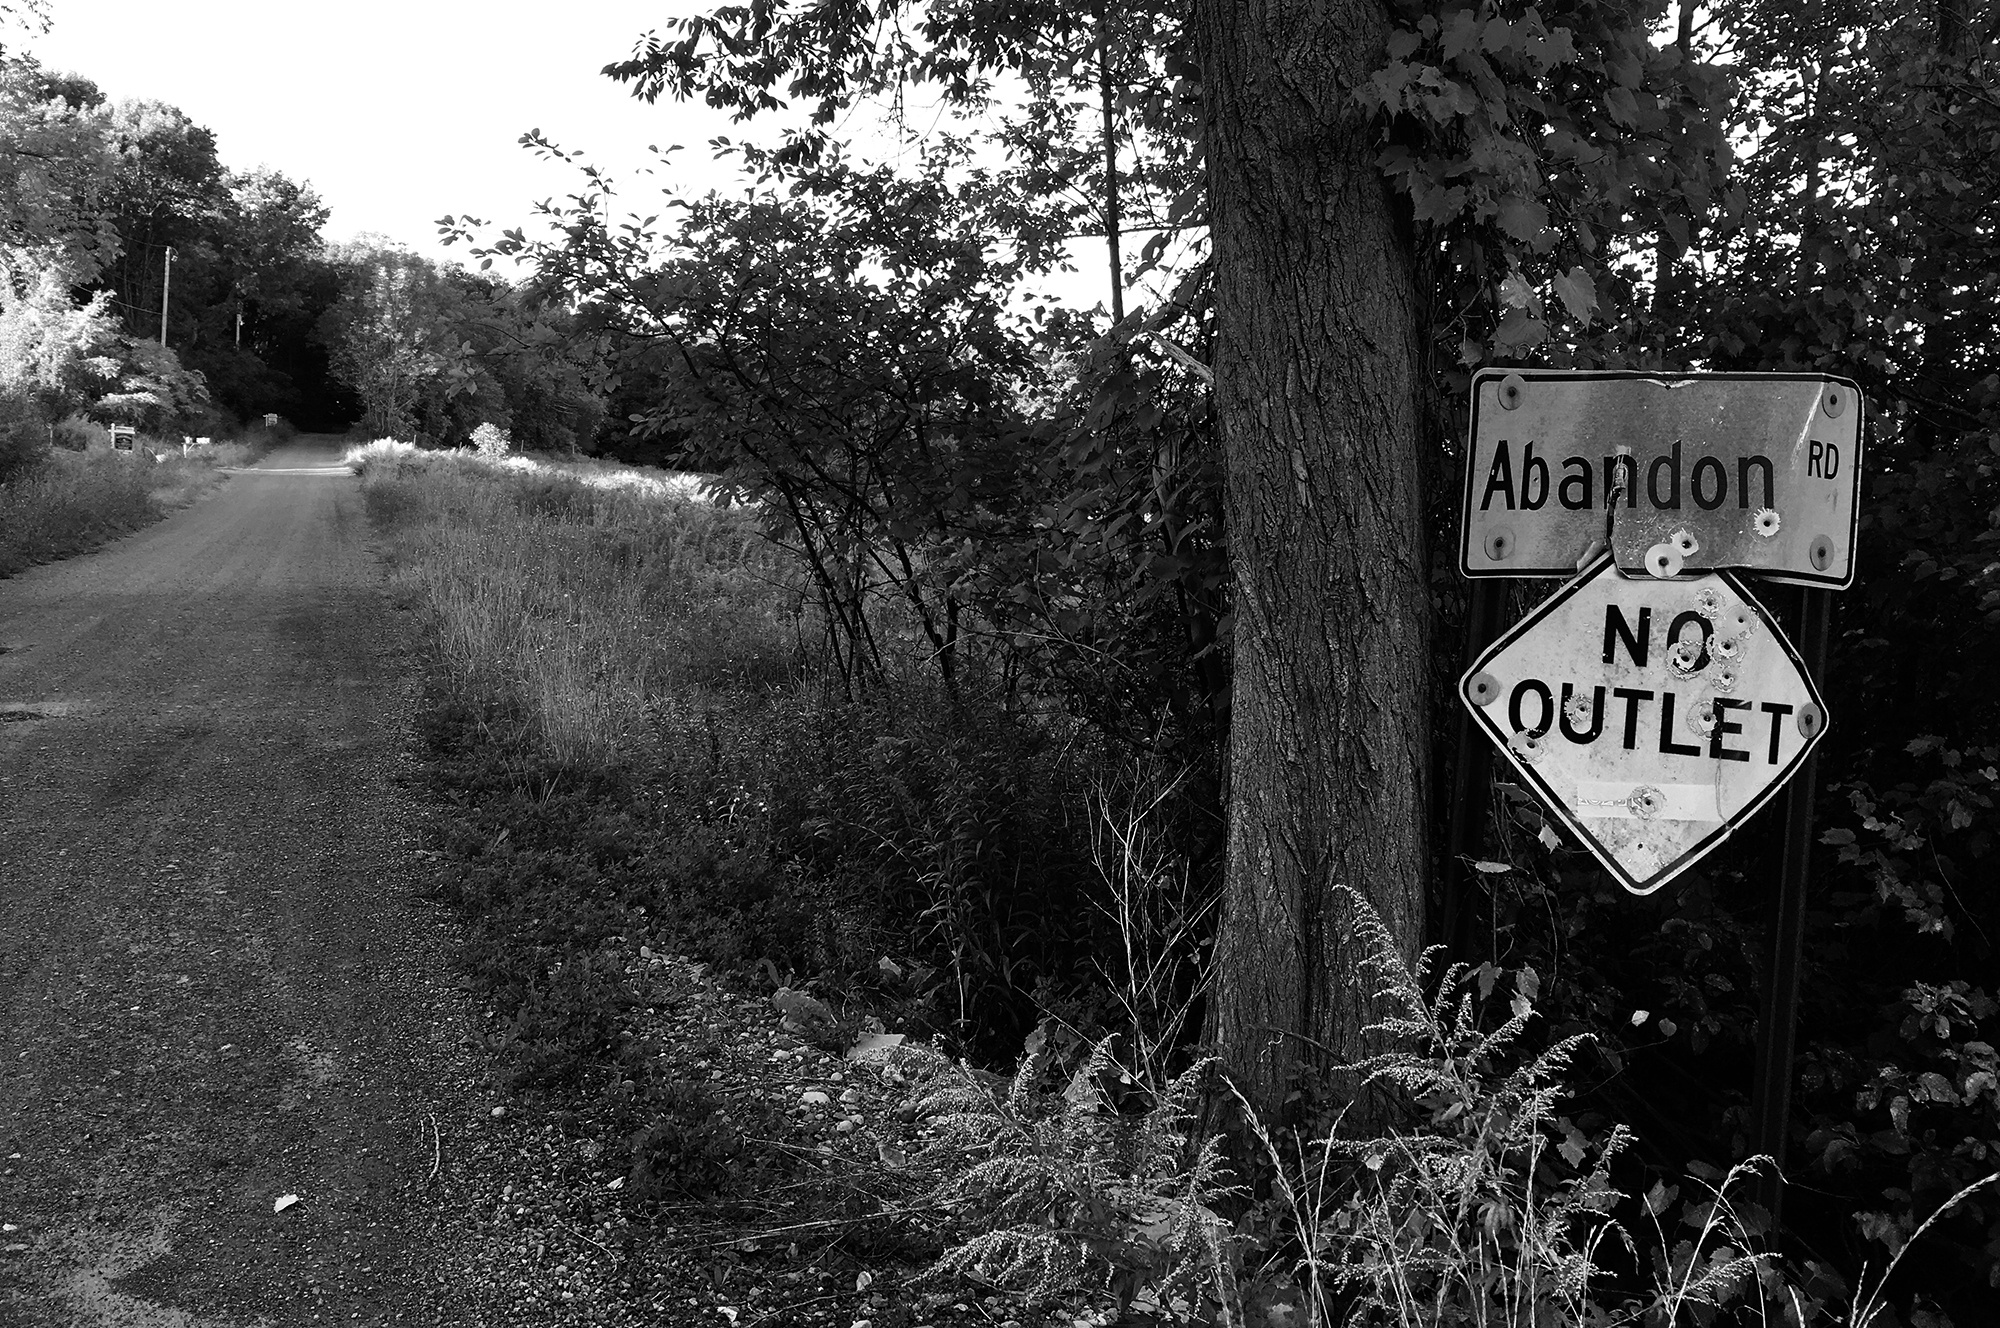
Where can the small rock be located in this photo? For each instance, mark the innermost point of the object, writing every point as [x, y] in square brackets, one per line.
[498, 1112]
[846, 1126]
[814, 1098]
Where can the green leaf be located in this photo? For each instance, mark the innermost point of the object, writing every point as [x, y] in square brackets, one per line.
[1519, 331]
[1523, 218]
[1623, 106]
[1578, 293]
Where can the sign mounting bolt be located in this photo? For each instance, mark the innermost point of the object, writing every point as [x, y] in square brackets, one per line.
[1820, 553]
[1662, 561]
[1484, 689]
[1834, 402]
[1512, 388]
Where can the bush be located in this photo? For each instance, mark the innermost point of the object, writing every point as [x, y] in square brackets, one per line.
[490, 441]
[79, 434]
[23, 437]
[383, 452]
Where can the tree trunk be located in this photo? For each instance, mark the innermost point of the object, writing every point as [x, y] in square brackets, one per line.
[1316, 387]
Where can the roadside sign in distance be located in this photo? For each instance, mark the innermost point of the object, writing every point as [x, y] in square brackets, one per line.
[1680, 473]
[1651, 717]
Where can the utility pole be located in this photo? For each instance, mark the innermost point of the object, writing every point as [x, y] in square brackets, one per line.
[166, 285]
[239, 326]
[1111, 218]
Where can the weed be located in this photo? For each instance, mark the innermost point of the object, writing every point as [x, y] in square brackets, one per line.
[1050, 1189]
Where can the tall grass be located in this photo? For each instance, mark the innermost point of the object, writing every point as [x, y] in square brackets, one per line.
[588, 612]
[610, 627]
[67, 503]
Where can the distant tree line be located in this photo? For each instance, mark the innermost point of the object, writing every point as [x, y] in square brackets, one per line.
[112, 209]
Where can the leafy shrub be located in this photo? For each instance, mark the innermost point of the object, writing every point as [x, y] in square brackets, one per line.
[79, 434]
[383, 452]
[490, 441]
[23, 436]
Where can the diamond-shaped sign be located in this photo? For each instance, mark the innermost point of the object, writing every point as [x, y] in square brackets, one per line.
[1651, 716]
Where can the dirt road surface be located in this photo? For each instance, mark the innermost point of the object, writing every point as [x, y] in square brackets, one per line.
[219, 980]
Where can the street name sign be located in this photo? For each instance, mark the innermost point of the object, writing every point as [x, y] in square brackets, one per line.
[1651, 716]
[1674, 473]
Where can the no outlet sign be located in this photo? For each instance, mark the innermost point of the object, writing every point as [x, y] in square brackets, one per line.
[1652, 716]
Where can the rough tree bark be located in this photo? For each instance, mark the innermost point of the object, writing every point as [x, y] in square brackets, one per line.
[1316, 380]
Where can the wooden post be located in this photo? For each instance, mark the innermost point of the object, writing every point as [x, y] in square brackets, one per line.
[1777, 1024]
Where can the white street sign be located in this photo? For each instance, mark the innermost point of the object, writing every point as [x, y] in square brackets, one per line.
[1688, 472]
[1652, 717]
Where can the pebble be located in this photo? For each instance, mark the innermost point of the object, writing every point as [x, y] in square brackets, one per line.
[814, 1098]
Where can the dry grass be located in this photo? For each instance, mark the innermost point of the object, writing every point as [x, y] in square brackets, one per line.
[392, 453]
[579, 598]
[71, 502]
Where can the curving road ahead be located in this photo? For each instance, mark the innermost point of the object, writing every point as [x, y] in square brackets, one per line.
[218, 981]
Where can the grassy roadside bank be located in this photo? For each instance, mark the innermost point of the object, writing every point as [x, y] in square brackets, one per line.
[67, 503]
[653, 810]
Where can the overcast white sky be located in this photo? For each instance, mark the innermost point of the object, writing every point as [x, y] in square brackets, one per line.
[397, 112]
[402, 111]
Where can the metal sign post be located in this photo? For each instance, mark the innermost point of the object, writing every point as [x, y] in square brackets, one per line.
[1778, 1016]
[1468, 809]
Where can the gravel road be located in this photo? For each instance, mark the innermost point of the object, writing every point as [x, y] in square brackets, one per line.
[220, 982]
